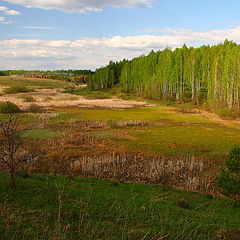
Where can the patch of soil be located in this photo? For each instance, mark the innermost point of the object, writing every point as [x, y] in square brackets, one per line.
[58, 99]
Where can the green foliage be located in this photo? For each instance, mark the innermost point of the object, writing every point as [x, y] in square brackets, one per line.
[54, 72]
[9, 107]
[17, 89]
[204, 74]
[229, 176]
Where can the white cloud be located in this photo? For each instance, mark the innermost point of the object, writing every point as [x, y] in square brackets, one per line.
[25, 35]
[96, 52]
[8, 11]
[3, 20]
[38, 27]
[81, 6]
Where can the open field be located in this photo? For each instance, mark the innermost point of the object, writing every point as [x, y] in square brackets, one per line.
[96, 135]
[166, 131]
[50, 93]
[32, 82]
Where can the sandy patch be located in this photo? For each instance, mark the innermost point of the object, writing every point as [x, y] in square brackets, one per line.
[54, 98]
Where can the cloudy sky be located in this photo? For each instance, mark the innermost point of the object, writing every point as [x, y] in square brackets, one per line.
[86, 34]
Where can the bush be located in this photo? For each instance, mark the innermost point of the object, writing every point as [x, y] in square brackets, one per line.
[226, 112]
[228, 179]
[17, 89]
[28, 98]
[9, 107]
[34, 108]
[187, 108]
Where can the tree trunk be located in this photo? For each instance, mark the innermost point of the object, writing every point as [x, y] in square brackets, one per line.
[12, 179]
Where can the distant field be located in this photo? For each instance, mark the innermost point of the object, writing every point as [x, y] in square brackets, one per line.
[33, 82]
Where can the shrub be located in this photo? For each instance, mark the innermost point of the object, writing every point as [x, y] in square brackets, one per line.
[228, 179]
[28, 98]
[9, 107]
[34, 108]
[187, 108]
[123, 96]
[226, 112]
[17, 89]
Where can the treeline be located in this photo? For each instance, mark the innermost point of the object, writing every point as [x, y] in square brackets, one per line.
[206, 74]
[53, 72]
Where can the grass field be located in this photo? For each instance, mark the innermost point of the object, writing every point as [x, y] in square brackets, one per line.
[61, 208]
[115, 143]
[168, 132]
[33, 82]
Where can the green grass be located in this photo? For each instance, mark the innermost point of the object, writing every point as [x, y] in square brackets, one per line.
[42, 207]
[176, 140]
[33, 82]
[152, 114]
[17, 89]
[39, 134]
[169, 132]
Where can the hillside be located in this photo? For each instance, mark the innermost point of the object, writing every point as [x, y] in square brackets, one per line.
[43, 207]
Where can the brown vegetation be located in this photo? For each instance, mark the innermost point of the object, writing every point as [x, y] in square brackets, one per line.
[80, 154]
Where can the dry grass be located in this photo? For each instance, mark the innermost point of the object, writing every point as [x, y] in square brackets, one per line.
[81, 154]
[54, 98]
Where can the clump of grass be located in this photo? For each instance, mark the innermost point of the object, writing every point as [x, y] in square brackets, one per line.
[69, 88]
[68, 98]
[224, 234]
[9, 107]
[39, 134]
[183, 204]
[226, 112]
[97, 96]
[123, 96]
[130, 123]
[28, 98]
[187, 108]
[17, 89]
[35, 108]
[47, 99]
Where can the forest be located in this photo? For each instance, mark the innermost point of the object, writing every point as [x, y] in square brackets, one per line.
[48, 72]
[206, 74]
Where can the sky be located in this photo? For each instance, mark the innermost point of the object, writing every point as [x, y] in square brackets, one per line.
[87, 34]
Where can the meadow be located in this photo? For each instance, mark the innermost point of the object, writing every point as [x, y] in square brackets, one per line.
[86, 208]
[117, 171]
[8, 81]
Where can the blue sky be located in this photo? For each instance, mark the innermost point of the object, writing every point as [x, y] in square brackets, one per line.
[50, 34]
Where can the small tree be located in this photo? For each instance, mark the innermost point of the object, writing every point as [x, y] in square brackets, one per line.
[228, 179]
[12, 150]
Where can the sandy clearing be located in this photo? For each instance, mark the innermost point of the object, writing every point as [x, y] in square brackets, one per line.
[54, 98]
